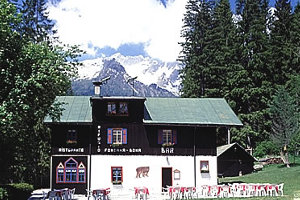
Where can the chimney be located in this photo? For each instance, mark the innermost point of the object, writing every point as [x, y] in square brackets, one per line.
[97, 85]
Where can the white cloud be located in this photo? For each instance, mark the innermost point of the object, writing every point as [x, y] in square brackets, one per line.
[101, 23]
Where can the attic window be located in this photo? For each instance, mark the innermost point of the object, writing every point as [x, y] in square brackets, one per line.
[119, 109]
[111, 108]
[123, 108]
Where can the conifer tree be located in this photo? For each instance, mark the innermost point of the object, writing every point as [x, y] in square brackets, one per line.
[281, 42]
[285, 123]
[295, 40]
[36, 24]
[197, 21]
[219, 51]
[253, 98]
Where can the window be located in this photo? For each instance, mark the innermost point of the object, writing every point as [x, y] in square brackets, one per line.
[167, 137]
[119, 109]
[116, 175]
[81, 172]
[60, 173]
[72, 137]
[111, 108]
[204, 167]
[123, 108]
[117, 136]
[70, 172]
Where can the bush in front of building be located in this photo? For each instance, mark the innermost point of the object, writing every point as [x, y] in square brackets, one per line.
[3, 194]
[15, 191]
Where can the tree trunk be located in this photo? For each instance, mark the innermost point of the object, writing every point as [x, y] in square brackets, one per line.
[285, 157]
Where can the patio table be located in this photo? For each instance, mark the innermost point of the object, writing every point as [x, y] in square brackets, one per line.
[101, 193]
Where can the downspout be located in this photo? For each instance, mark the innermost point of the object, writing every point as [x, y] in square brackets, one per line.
[195, 176]
[51, 173]
[90, 166]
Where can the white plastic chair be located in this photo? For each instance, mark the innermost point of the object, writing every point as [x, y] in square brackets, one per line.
[280, 189]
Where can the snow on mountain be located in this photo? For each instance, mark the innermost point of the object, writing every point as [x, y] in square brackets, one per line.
[117, 85]
[149, 71]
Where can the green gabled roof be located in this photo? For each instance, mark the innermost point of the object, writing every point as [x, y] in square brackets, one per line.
[76, 109]
[164, 111]
[193, 111]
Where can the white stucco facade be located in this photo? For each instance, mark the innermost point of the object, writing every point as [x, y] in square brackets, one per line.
[101, 171]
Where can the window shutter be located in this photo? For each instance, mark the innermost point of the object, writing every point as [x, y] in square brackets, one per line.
[124, 136]
[109, 136]
[174, 136]
[160, 136]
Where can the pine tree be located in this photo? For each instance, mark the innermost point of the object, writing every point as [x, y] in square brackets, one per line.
[253, 97]
[295, 40]
[219, 51]
[284, 120]
[281, 42]
[36, 24]
[197, 21]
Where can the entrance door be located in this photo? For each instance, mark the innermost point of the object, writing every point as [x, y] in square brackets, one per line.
[166, 177]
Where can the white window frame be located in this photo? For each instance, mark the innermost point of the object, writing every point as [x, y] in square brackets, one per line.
[167, 135]
[117, 137]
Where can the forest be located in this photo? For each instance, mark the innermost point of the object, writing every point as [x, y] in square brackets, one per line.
[250, 57]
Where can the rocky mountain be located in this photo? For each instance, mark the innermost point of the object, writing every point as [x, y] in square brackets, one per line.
[154, 77]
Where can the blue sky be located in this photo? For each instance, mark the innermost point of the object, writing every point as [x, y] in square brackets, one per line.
[131, 27]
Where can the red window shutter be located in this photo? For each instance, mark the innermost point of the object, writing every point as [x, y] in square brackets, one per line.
[109, 135]
[174, 136]
[124, 136]
[160, 136]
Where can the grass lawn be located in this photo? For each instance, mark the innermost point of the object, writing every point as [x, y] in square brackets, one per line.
[276, 173]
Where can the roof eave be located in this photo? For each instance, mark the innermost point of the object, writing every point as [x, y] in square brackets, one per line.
[189, 124]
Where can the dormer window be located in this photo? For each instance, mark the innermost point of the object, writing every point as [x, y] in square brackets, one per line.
[111, 108]
[123, 108]
[118, 109]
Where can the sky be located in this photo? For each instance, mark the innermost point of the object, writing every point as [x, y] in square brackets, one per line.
[130, 27]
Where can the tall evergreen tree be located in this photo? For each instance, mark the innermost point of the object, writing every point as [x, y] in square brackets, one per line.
[253, 98]
[36, 24]
[197, 21]
[295, 40]
[284, 120]
[281, 42]
[219, 51]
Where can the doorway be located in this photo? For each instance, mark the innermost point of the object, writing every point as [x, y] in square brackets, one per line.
[167, 177]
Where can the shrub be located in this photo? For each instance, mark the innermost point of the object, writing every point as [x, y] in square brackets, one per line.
[17, 191]
[3, 194]
[266, 148]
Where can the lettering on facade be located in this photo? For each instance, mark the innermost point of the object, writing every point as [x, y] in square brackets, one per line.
[122, 150]
[71, 150]
[98, 139]
[167, 150]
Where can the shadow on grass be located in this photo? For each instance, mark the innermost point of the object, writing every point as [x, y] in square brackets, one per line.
[230, 182]
[291, 165]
